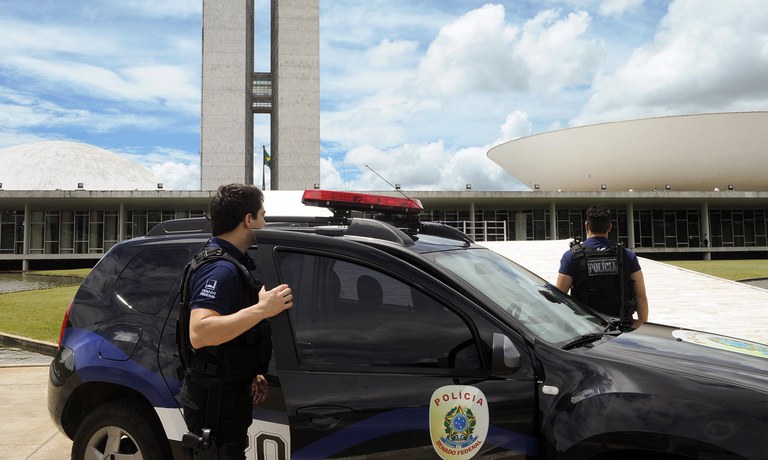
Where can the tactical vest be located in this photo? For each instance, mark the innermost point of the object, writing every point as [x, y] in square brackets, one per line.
[601, 280]
[242, 357]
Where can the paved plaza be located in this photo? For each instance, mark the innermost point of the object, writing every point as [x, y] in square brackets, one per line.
[676, 296]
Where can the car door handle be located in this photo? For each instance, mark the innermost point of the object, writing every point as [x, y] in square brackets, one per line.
[324, 417]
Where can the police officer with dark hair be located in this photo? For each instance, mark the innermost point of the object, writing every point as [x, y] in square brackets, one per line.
[605, 276]
[228, 311]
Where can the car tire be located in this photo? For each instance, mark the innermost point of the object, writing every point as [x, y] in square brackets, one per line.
[117, 428]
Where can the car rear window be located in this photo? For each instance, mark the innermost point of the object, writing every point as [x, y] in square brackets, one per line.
[150, 281]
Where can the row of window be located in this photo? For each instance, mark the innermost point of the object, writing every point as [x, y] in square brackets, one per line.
[77, 232]
[94, 232]
[661, 228]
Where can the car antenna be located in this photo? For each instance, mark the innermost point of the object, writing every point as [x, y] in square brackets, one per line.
[390, 184]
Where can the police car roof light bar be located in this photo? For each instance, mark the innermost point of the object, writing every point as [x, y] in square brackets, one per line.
[361, 202]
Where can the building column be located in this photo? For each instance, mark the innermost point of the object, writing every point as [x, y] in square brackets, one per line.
[27, 236]
[631, 225]
[472, 220]
[553, 221]
[704, 223]
[121, 222]
[521, 227]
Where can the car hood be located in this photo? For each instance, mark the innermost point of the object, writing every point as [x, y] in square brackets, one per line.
[718, 357]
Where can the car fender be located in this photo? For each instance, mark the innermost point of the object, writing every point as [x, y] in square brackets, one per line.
[118, 370]
[651, 422]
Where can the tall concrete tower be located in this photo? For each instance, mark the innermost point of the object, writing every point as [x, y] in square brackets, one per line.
[232, 93]
[296, 94]
[226, 134]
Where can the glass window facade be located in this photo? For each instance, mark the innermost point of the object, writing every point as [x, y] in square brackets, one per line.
[95, 231]
[77, 231]
[738, 227]
[653, 228]
[11, 232]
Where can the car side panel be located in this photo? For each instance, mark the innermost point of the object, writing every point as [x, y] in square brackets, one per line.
[336, 411]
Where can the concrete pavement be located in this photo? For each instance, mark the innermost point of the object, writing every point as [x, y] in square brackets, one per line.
[677, 297]
[26, 430]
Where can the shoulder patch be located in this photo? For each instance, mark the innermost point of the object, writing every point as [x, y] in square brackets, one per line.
[209, 289]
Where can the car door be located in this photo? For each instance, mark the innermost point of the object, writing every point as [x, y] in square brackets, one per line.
[368, 358]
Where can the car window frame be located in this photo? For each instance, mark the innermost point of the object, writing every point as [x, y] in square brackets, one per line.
[481, 372]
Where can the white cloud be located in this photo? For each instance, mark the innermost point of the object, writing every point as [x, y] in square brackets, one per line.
[516, 125]
[705, 57]
[475, 70]
[553, 50]
[164, 8]
[159, 85]
[425, 166]
[176, 169]
[21, 112]
[24, 38]
[330, 178]
[473, 53]
[178, 176]
[482, 53]
[391, 53]
[617, 8]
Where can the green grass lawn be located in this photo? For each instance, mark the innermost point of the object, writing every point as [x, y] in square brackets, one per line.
[81, 272]
[728, 269]
[35, 314]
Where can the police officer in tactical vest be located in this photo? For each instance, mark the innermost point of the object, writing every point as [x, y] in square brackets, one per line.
[603, 275]
[224, 335]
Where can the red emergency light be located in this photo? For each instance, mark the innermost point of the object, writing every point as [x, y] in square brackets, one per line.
[361, 202]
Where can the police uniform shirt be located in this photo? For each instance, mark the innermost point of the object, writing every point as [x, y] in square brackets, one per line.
[218, 285]
[597, 243]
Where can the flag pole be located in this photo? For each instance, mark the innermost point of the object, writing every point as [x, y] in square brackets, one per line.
[263, 163]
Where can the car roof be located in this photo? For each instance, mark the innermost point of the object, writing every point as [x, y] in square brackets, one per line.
[419, 237]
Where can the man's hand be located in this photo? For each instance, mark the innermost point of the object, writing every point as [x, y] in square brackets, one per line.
[274, 301]
[259, 390]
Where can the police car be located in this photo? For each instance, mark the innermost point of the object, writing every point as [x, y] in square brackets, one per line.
[406, 340]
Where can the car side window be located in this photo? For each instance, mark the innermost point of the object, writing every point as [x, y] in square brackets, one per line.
[347, 314]
[151, 279]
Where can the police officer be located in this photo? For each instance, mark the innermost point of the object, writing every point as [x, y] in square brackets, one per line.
[225, 378]
[601, 290]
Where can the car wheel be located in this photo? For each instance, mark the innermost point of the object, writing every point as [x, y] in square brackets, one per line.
[117, 430]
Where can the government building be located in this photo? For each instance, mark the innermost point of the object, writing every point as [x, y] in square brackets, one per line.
[692, 186]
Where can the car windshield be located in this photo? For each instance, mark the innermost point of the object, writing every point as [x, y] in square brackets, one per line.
[536, 305]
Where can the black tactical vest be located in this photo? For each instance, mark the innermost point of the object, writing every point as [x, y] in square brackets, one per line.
[241, 358]
[601, 280]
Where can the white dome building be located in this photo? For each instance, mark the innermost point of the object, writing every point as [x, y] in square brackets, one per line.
[64, 165]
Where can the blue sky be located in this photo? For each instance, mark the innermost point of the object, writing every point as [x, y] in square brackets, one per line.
[417, 90]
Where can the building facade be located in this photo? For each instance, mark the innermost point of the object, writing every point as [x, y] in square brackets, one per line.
[45, 229]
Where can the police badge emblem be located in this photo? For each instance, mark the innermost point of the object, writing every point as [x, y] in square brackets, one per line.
[458, 421]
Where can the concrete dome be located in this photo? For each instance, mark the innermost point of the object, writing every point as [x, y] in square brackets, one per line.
[62, 165]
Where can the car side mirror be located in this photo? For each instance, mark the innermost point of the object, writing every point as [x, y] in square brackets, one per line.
[505, 358]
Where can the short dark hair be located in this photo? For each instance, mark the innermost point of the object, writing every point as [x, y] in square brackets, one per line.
[599, 219]
[230, 205]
